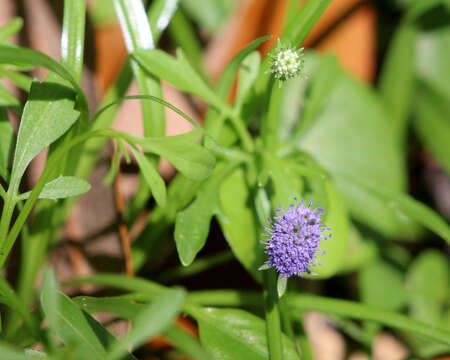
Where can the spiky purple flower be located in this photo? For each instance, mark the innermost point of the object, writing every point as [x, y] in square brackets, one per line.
[294, 237]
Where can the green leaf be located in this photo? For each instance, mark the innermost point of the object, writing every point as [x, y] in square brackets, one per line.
[360, 311]
[418, 8]
[11, 28]
[75, 327]
[286, 181]
[247, 76]
[281, 285]
[382, 285]
[128, 309]
[303, 21]
[47, 115]
[178, 72]
[61, 188]
[229, 74]
[6, 143]
[364, 149]
[231, 334]
[115, 163]
[405, 205]
[102, 13]
[123, 282]
[152, 177]
[239, 222]
[335, 247]
[16, 55]
[10, 353]
[427, 287]
[152, 319]
[325, 74]
[185, 36]
[262, 206]
[189, 157]
[210, 15]
[360, 251]
[432, 52]
[49, 298]
[214, 120]
[122, 308]
[22, 81]
[186, 344]
[10, 299]
[432, 125]
[192, 223]
[397, 77]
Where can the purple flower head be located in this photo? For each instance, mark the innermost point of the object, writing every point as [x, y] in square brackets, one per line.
[294, 237]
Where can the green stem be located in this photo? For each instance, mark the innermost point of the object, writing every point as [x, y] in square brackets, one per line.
[241, 129]
[10, 200]
[2, 192]
[272, 310]
[7, 213]
[269, 126]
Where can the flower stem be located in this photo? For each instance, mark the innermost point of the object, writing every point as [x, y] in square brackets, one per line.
[269, 126]
[272, 310]
[241, 129]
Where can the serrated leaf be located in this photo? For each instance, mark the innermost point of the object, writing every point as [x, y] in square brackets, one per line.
[192, 224]
[61, 188]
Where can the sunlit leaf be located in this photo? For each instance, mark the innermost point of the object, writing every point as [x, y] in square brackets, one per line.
[61, 188]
